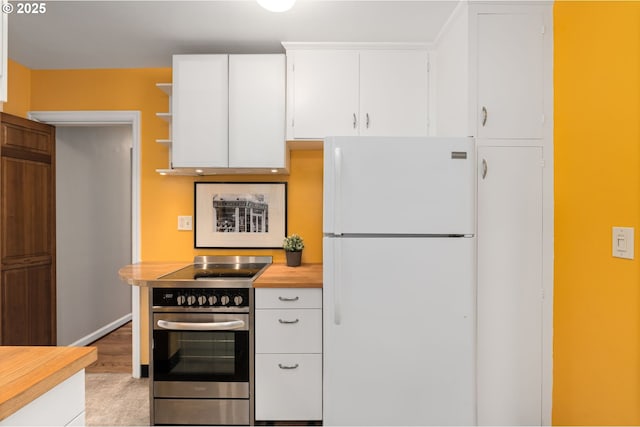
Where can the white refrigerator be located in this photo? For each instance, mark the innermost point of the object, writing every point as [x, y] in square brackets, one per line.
[399, 281]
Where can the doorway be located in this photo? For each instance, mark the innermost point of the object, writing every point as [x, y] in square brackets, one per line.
[88, 142]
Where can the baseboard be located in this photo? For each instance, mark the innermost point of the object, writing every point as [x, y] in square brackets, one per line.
[88, 339]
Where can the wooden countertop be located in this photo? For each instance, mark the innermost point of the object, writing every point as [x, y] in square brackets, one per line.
[276, 276]
[28, 372]
[281, 276]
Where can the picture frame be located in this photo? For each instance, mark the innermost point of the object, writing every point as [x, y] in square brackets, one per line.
[240, 215]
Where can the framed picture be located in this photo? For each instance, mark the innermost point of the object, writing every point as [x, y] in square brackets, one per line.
[240, 214]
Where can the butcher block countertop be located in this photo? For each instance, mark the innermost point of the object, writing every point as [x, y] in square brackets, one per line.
[275, 276]
[281, 276]
[26, 373]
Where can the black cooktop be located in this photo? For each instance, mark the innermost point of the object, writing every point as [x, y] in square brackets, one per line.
[215, 271]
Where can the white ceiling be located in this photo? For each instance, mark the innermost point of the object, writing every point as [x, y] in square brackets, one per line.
[135, 34]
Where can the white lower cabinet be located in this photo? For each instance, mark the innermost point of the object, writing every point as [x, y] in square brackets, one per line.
[63, 405]
[288, 365]
[289, 386]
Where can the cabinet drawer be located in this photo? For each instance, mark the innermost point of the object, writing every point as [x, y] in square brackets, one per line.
[288, 387]
[288, 298]
[289, 331]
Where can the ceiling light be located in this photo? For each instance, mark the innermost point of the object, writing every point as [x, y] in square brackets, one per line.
[276, 5]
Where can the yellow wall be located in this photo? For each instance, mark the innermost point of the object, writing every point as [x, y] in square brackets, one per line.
[163, 198]
[597, 185]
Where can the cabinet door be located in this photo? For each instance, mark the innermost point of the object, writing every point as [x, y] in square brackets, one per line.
[510, 75]
[256, 111]
[325, 98]
[394, 93]
[288, 387]
[28, 306]
[200, 111]
[509, 285]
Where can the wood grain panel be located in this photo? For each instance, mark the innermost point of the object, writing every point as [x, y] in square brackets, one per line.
[24, 134]
[281, 276]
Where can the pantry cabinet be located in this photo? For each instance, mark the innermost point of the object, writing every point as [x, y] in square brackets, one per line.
[357, 92]
[495, 82]
[510, 78]
[27, 232]
[510, 291]
[228, 111]
[288, 366]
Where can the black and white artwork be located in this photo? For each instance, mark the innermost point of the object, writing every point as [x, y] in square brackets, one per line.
[240, 215]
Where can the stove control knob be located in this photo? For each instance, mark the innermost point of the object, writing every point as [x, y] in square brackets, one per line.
[224, 300]
[191, 299]
[202, 300]
[237, 300]
[180, 300]
[213, 299]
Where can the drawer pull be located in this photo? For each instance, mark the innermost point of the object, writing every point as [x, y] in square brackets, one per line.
[288, 299]
[288, 322]
[281, 366]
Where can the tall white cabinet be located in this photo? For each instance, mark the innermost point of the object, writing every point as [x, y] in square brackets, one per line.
[494, 81]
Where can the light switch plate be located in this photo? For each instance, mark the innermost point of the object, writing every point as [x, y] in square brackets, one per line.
[622, 242]
[185, 222]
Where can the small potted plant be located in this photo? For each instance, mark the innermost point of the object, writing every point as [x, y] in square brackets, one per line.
[293, 246]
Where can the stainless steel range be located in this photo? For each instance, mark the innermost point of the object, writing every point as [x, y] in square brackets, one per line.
[201, 366]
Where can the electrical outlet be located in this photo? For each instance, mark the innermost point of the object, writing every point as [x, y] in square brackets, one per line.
[185, 222]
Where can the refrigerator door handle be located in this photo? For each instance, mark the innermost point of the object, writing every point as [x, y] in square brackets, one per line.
[337, 157]
[337, 272]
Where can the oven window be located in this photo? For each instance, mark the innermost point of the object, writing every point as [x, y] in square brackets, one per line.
[201, 355]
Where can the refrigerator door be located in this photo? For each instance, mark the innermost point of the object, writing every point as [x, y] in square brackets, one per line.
[399, 331]
[384, 185]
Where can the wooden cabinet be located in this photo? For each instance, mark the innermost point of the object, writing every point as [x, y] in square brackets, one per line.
[228, 111]
[27, 239]
[510, 287]
[357, 92]
[510, 53]
[288, 368]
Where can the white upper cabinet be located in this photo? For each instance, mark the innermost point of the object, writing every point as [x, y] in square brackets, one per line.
[493, 77]
[345, 92]
[325, 94]
[229, 112]
[510, 75]
[394, 93]
[257, 111]
[200, 111]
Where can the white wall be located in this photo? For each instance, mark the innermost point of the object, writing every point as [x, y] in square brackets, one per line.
[93, 221]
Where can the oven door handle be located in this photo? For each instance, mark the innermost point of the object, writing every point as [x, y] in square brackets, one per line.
[201, 326]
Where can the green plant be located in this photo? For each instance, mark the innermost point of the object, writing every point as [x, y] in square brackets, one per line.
[293, 243]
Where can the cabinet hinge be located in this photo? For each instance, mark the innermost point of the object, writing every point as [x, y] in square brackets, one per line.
[542, 163]
[293, 123]
[542, 294]
[428, 66]
[544, 28]
[542, 119]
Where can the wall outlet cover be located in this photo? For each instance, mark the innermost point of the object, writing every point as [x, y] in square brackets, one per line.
[622, 242]
[185, 222]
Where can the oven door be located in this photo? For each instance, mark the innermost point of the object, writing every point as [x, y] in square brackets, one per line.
[202, 347]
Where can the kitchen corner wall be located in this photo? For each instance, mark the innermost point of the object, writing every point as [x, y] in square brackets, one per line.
[597, 185]
[163, 198]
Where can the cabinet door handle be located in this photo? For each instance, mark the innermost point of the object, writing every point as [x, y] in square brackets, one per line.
[355, 120]
[281, 366]
[367, 120]
[484, 115]
[288, 322]
[485, 168]
[286, 299]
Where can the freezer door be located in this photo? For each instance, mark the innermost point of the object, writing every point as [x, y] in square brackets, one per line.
[399, 331]
[383, 185]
